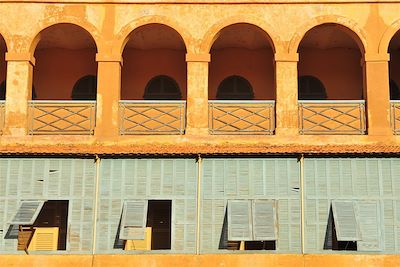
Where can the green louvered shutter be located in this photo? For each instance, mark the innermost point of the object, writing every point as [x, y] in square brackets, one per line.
[239, 220]
[368, 213]
[27, 212]
[346, 222]
[265, 225]
[134, 217]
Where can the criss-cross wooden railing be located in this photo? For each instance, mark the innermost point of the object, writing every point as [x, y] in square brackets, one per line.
[62, 117]
[152, 117]
[241, 117]
[332, 117]
[2, 115]
[395, 116]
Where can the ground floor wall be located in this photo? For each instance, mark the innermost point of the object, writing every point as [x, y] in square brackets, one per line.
[281, 260]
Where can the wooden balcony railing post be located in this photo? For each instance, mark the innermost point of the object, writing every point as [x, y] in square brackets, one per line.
[377, 94]
[18, 92]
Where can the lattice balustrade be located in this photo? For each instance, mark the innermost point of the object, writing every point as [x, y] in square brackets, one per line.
[2, 115]
[395, 116]
[62, 117]
[332, 117]
[152, 117]
[241, 117]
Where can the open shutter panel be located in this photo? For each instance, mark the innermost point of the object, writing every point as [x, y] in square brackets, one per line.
[346, 222]
[239, 220]
[368, 212]
[265, 224]
[27, 212]
[44, 239]
[133, 223]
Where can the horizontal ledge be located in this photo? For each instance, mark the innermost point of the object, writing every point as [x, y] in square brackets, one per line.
[62, 102]
[331, 101]
[241, 101]
[152, 101]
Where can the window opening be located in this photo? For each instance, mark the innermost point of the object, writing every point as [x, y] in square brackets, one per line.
[42, 226]
[85, 88]
[162, 88]
[311, 88]
[3, 87]
[146, 225]
[235, 88]
[250, 225]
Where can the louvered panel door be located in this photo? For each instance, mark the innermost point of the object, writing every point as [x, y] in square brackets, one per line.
[50, 179]
[372, 183]
[227, 179]
[148, 179]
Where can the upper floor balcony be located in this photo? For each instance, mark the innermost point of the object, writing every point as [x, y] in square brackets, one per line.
[152, 97]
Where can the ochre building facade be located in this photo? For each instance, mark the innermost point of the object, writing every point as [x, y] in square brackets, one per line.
[199, 133]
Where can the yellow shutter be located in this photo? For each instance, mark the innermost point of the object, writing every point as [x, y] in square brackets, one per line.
[140, 244]
[44, 238]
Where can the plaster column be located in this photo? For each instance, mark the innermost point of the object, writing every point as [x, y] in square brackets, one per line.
[376, 69]
[286, 94]
[197, 94]
[18, 92]
[108, 96]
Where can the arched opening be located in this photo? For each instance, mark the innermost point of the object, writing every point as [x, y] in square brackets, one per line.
[155, 53]
[85, 88]
[242, 52]
[3, 68]
[394, 67]
[162, 87]
[64, 54]
[234, 88]
[331, 54]
[310, 88]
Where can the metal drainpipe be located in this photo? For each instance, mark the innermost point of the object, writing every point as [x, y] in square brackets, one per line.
[302, 202]
[199, 166]
[96, 196]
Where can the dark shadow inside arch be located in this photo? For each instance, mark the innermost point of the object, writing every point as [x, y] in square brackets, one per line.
[85, 88]
[394, 90]
[162, 87]
[3, 88]
[311, 88]
[235, 88]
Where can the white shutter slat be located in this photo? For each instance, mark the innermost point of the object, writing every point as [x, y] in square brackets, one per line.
[265, 226]
[133, 223]
[239, 220]
[346, 222]
[27, 212]
[368, 212]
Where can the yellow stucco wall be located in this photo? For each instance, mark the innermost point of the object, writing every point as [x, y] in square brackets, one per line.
[254, 260]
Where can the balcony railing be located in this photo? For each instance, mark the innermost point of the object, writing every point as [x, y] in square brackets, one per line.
[395, 116]
[241, 117]
[152, 117]
[332, 117]
[2, 115]
[62, 117]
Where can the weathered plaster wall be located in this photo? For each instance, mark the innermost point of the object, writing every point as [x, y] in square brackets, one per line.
[57, 70]
[198, 24]
[140, 66]
[257, 66]
[271, 260]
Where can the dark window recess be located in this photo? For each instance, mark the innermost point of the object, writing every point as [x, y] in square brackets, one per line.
[259, 245]
[162, 88]
[85, 88]
[394, 91]
[54, 213]
[331, 242]
[3, 87]
[310, 88]
[159, 219]
[235, 88]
